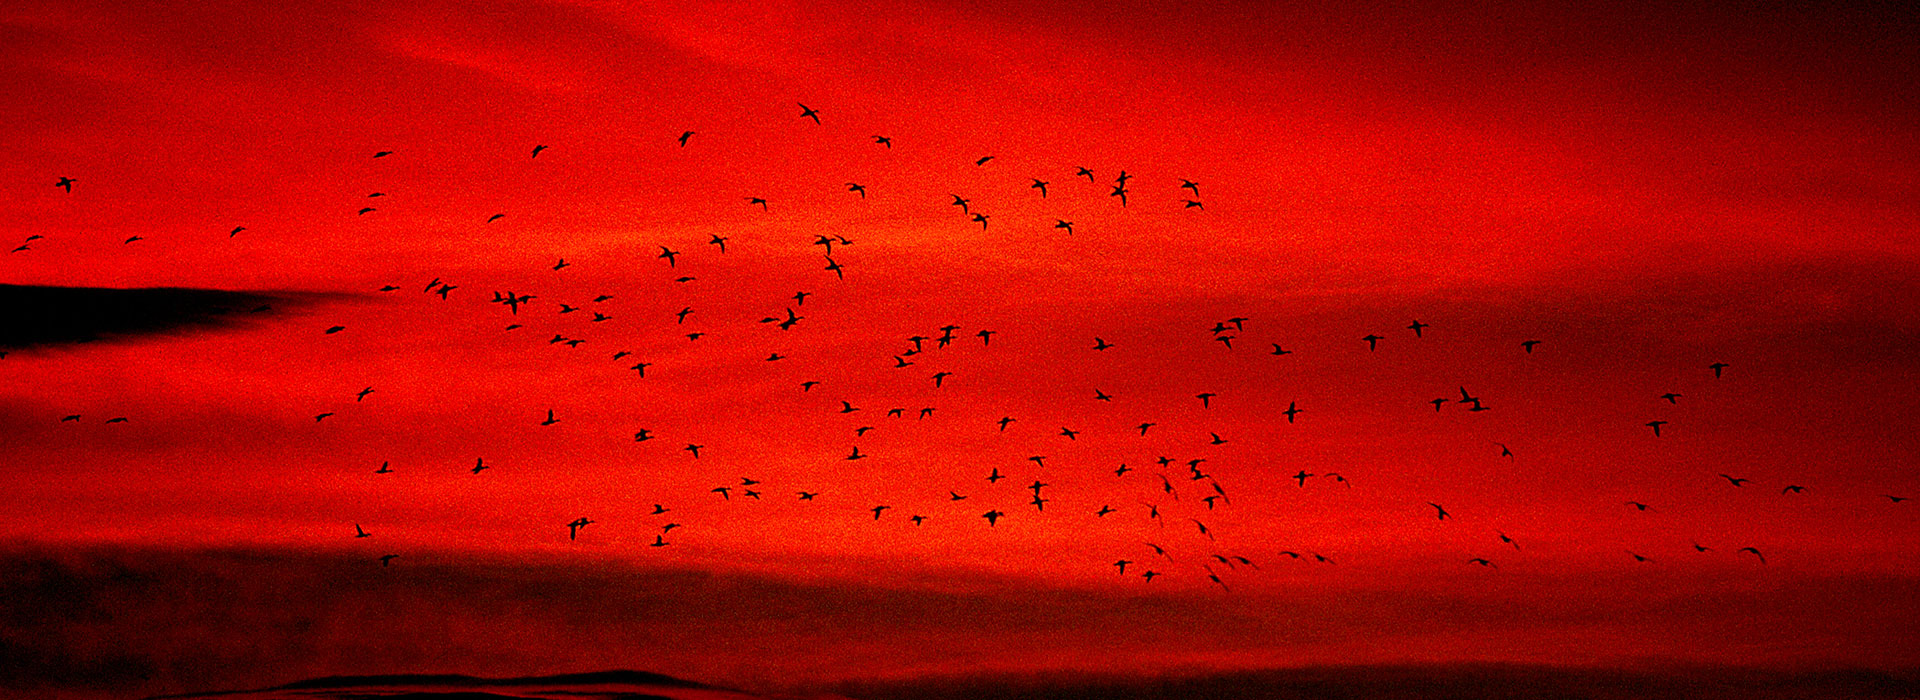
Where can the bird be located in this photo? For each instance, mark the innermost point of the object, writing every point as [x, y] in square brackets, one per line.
[386, 559]
[884, 141]
[857, 188]
[668, 254]
[573, 528]
[385, 468]
[359, 533]
[1190, 185]
[538, 148]
[982, 218]
[495, 217]
[1217, 440]
[756, 200]
[1065, 224]
[1734, 481]
[321, 417]
[1638, 558]
[1193, 204]
[66, 183]
[1670, 397]
[1508, 540]
[643, 435]
[659, 541]
[131, 239]
[1642, 507]
[1302, 477]
[479, 465]
[1756, 552]
[1417, 326]
[1277, 351]
[993, 517]
[684, 135]
[983, 160]
[1292, 409]
[1121, 192]
[1206, 399]
[236, 231]
[809, 113]
[1041, 185]
[1482, 562]
[1655, 425]
[719, 241]
[551, 420]
[1717, 367]
[1069, 434]
[122, 419]
[1086, 172]
[1099, 344]
[856, 454]
[724, 491]
[1795, 488]
[877, 510]
[1442, 512]
[695, 449]
[1373, 341]
[362, 394]
[995, 476]
[383, 154]
[1527, 345]
[562, 263]
[1203, 528]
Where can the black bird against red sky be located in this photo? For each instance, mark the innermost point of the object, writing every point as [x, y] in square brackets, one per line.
[286, 286]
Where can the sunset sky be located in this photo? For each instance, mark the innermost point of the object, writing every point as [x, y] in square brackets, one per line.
[1645, 192]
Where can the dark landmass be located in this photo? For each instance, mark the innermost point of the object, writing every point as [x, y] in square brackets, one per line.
[35, 316]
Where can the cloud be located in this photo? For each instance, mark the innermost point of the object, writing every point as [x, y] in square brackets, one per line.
[37, 316]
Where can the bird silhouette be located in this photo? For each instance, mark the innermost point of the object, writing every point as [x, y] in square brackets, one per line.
[1373, 341]
[359, 533]
[884, 141]
[1756, 552]
[66, 183]
[1441, 512]
[809, 113]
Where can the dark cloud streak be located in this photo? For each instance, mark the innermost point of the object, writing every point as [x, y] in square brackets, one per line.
[38, 316]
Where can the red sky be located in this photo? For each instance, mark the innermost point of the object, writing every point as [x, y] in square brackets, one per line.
[1645, 192]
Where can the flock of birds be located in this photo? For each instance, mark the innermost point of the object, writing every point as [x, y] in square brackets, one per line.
[1159, 489]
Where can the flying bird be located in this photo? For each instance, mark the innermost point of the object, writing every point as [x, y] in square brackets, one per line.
[809, 113]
